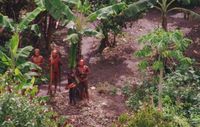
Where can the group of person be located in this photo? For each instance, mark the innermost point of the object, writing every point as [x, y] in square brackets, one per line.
[77, 77]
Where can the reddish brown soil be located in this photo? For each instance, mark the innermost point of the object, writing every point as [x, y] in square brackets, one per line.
[116, 66]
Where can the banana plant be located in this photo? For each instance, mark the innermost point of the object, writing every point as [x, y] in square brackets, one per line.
[163, 49]
[104, 14]
[113, 18]
[13, 61]
[164, 6]
[77, 30]
[24, 23]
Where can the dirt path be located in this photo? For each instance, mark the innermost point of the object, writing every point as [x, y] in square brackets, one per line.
[115, 67]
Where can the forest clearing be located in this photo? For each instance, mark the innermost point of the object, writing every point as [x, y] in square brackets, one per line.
[109, 63]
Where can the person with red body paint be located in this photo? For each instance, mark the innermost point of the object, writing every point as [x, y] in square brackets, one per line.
[82, 75]
[37, 58]
[55, 63]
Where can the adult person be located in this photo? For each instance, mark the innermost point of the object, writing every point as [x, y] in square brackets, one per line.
[55, 63]
[82, 75]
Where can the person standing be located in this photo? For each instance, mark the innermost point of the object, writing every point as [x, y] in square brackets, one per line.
[72, 87]
[37, 58]
[82, 75]
[55, 63]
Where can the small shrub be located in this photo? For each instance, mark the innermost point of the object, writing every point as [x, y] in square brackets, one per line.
[150, 117]
[19, 111]
[127, 90]
[123, 118]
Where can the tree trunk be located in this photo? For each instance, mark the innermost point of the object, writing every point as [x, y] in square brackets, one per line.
[114, 40]
[49, 27]
[103, 44]
[160, 89]
[164, 21]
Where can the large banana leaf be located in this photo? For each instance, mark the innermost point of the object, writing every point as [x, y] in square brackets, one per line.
[73, 38]
[29, 17]
[24, 52]
[13, 44]
[36, 29]
[72, 1]
[29, 65]
[6, 22]
[104, 13]
[39, 3]
[4, 59]
[58, 9]
[91, 32]
[136, 8]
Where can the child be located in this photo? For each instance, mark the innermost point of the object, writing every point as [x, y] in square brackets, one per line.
[72, 87]
[37, 58]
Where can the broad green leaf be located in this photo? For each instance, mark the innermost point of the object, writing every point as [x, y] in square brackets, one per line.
[5, 59]
[14, 43]
[24, 52]
[36, 29]
[17, 71]
[59, 10]
[28, 64]
[136, 8]
[28, 18]
[34, 91]
[73, 38]
[143, 65]
[104, 13]
[39, 3]
[92, 32]
[75, 2]
[32, 80]
[144, 52]
[6, 22]
[157, 65]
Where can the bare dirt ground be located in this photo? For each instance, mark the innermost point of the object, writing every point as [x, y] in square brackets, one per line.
[115, 67]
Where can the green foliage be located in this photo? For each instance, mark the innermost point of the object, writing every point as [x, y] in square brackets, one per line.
[189, 3]
[148, 116]
[123, 118]
[6, 22]
[165, 6]
[104, 13]
[182, 88]
[14, 66]
[135, 9]
[19, 111]
[161, 46]
[26, 20]
[84, 7]
[142, 94]
[127, 90]
[58, 9]
[114, 17]
[78, 29]
[180, 97]
[166, 50]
